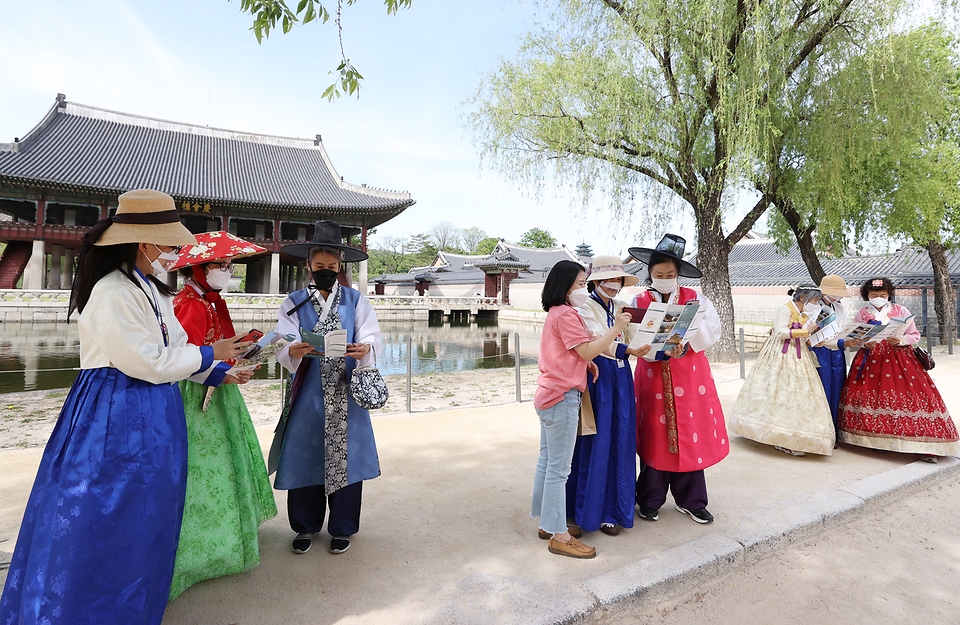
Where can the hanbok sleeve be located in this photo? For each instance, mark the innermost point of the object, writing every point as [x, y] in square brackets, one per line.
[118, 322]
[781, 322]
[367, 330]
[288, 324]
[590, 320]
[709, 331]
[192, 315]
[912, 335]
[211, 372]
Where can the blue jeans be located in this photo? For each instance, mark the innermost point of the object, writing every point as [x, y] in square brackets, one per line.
[558, 433]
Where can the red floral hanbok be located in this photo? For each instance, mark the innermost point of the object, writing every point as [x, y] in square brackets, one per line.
[889, 401]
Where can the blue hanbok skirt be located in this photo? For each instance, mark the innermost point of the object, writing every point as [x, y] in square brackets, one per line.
[603, 477]
[833, 372]
[99, 534]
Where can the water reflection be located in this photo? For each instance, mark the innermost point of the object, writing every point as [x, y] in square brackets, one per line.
[47, 355]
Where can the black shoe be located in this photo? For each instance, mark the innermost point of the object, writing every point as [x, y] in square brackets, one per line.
[700, 515]
[648, 514]
[339, 544]
[303, 542]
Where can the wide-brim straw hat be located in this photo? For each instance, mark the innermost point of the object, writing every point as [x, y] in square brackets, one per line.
[834, 286]
[610, 268]
[213, 247]
[671, 245]
[325, 234]
[143, 216]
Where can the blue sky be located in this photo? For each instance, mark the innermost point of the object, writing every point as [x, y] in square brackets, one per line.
[197, 62]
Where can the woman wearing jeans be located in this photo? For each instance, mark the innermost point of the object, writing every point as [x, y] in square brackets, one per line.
[566, 352]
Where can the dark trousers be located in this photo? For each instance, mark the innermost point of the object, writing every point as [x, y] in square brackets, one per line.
[307, 508]
[689, 489]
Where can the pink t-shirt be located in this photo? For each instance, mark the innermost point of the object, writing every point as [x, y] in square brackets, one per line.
[561, 367]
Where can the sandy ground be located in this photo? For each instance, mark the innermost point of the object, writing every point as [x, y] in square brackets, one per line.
[446, 536]
[26, 419]
[898, 566]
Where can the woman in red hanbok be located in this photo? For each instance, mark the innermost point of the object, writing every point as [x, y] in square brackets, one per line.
[889, 401]
[680, 426]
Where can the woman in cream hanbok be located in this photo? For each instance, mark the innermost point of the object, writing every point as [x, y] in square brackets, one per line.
[782, 402]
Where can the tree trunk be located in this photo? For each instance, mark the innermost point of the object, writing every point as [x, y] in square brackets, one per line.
[943, 292]
[713, 259]
[804, 236]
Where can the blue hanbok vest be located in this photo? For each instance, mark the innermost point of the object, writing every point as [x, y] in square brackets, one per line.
[302, 448]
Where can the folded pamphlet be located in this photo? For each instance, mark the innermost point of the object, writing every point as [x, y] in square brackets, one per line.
[262, 351]
[668, 327]
[331, 345]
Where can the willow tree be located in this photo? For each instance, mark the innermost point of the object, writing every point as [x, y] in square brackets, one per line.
[877, 155]
[666, 99]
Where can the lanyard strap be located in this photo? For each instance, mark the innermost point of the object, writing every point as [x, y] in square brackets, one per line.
[606, 308]
[154, 304]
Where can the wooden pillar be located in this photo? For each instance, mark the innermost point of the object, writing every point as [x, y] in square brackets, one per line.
[276, 235]
[41, 217]
[302, 277]
[104, 211]
[273, 272]
[66, 281]
[53, 279]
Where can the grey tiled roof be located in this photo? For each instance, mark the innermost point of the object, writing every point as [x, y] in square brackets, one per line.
[758, 263]
[449, 268]
[88, 149]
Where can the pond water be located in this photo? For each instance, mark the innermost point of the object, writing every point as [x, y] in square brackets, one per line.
[38, 356]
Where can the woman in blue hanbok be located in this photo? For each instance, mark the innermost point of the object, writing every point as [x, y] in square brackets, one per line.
[601, 488]
[99, 534]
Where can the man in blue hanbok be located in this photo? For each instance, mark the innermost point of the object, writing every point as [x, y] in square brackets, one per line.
[324, 445]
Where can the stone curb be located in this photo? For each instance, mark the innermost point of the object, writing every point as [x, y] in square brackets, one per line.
[761, 533]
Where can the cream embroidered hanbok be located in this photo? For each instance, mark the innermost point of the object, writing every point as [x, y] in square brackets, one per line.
[782, 402]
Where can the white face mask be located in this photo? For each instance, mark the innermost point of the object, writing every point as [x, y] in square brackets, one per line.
[611, 289]
[830, 300]
[664, 286]
[162, 262]
[878, 302]
[578, 297]
[811, 308]
[218, 279]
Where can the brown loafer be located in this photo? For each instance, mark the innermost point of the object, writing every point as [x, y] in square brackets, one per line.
[610, 530]
[572, 527]
[572, 549]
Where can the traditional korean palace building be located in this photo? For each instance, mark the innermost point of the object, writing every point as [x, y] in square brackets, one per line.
[65, 175]
[511, 273]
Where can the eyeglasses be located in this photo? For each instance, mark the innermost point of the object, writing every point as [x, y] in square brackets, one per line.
[223, 266]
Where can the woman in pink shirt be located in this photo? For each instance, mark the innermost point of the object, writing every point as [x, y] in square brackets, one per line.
[566, 352]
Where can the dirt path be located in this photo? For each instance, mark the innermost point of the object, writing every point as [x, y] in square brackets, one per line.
[26, 419]
[898, 565]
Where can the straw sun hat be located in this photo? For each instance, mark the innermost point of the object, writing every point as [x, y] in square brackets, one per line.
[610, 268]
[834, 286]
[143, 216]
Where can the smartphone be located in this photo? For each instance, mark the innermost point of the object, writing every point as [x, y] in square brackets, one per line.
[636, 314]
[252, 335]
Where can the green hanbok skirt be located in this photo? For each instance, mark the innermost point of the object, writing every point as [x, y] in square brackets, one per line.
[228, 491]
